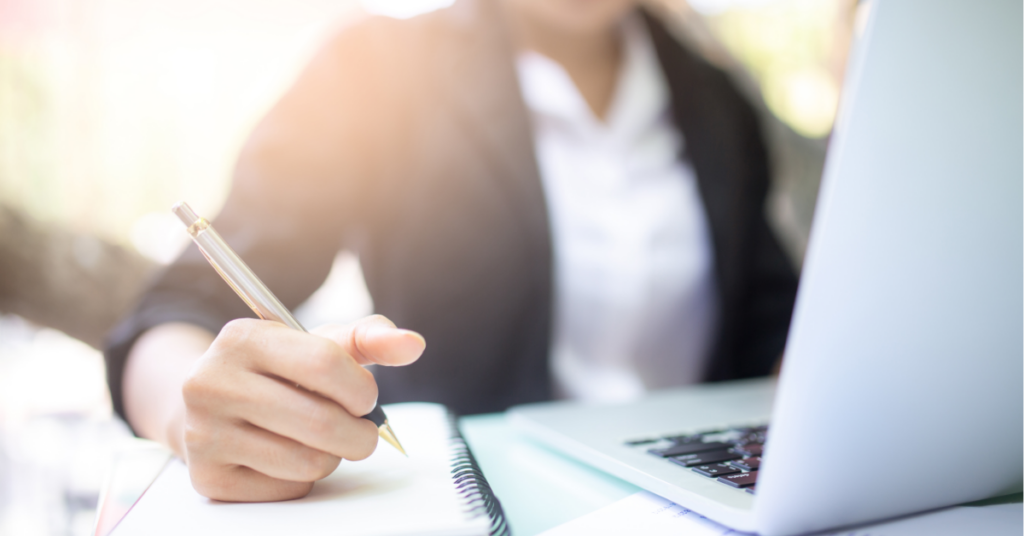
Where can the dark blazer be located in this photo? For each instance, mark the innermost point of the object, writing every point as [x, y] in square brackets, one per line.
[408, 142]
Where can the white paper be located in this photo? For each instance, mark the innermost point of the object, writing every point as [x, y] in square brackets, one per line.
[650, 515]
[385, 495]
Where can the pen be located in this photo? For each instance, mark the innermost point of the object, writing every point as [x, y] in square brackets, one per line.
[254, 293]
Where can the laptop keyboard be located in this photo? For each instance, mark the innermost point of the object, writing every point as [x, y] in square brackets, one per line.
[731, 456]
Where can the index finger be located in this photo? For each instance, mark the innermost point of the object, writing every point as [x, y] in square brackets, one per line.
[375, 340]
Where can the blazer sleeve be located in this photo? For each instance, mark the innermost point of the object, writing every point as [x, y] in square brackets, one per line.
[298, 188]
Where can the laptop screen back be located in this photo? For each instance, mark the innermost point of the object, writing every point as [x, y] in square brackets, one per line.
[902, 383]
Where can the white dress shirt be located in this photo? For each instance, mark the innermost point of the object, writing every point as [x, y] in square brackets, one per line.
[635, 299]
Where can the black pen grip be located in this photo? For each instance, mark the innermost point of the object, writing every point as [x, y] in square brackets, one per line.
[376, 416]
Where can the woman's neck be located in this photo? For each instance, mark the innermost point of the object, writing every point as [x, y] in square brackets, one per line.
[591, 58]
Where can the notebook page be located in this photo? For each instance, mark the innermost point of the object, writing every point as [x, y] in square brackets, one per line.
[385, 495]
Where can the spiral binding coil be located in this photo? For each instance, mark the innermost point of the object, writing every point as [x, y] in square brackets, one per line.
[472, 484]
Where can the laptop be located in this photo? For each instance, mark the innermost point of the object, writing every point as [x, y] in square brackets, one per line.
[901, 388]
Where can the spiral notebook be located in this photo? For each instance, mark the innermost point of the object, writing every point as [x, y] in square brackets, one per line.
[437, 490]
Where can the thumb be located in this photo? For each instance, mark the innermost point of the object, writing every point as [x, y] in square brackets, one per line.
[375, 340]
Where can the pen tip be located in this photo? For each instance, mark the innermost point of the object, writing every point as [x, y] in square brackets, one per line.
[388, 435]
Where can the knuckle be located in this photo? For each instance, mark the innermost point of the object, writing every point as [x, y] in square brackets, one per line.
[195, 389]
[237, 330]
[205, 386]
[190, 390]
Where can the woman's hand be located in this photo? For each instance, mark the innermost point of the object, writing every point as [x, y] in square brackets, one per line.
[267, 410]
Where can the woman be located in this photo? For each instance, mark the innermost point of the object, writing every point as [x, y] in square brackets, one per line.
[555, 194]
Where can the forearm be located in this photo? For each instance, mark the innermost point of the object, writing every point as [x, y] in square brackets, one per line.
[157, 367]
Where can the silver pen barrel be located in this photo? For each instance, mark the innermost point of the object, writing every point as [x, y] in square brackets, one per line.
[233, 269]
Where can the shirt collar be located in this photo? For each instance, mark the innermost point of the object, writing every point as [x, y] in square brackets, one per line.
[641, 92]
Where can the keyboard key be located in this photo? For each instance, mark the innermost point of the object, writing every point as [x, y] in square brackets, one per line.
[724, 436]
[687, 448]
[740, 480]
[636, 442]
[750, 436]
[715, 470]
[751, 449]
[748, 464]
[684, 438]
[704, 458]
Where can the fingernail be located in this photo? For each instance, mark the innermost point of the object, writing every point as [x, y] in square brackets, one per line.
[404, 344]
[415, 340]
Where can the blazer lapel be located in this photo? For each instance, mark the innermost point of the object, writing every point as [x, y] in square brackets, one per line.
[707, 146]
[483, 92]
